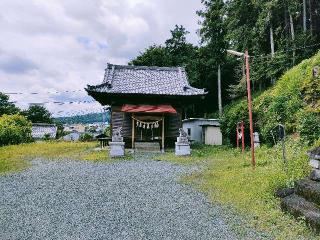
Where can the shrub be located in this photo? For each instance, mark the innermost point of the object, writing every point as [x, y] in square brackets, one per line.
[233, 114]
[14, 129]
[86, 137]
[107, 131]
[46, 137]
[309, 125]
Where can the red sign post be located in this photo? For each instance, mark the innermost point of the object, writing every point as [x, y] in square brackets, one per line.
[240, 134]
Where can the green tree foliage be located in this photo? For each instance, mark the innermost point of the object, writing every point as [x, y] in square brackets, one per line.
[60, 130]
[7, 107]
[38, 114]
[309, 125]
[153, 56]
[86, 137]
[86, 118]
[250, 25]
[175, 52]
[107, 131]
[14, 129]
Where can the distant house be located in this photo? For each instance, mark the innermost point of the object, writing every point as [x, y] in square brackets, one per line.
[74, 136]
[42, 130]
[80, 128]
[203, 130]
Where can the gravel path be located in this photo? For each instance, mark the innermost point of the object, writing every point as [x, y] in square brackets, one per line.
[124, 200]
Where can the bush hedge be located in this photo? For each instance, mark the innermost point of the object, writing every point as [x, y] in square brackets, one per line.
[86, 137]
[14, 129]
[293, 101]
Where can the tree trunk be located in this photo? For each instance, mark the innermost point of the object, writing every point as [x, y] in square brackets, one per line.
[291, 27]
[292, 38]
[304, 16]
[271, 40]
[286, 26]
[272, 48]
[310, 18]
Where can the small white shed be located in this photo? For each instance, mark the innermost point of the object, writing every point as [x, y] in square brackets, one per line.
[203, 130]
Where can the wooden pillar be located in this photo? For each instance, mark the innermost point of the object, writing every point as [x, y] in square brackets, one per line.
[132, 131]
[162, 138]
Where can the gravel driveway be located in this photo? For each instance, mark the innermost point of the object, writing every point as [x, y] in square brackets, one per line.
[124, 200]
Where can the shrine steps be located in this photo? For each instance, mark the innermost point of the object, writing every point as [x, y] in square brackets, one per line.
[147, 147]
[300, 207]
[304, 202]
[309, 190]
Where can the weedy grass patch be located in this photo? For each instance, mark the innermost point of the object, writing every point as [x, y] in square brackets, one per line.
[16, 157]
[229, 179]
[200, 154]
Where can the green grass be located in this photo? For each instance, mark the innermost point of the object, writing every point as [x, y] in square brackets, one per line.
[229, 179]
[16, 157]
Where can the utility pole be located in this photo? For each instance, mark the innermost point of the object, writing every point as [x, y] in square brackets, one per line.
[250, 108]
[219, 91]
[246, 56]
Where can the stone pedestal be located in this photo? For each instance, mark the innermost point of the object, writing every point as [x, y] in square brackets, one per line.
[256, 140]
[182, 144]
[314, 162]
[116, 149]
[182, 149]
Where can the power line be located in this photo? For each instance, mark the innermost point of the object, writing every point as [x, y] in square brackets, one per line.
[283, 51]
[56, 102]
[36, 93]
[78, 113]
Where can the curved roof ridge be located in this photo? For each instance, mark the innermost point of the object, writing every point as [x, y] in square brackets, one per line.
[109, 65]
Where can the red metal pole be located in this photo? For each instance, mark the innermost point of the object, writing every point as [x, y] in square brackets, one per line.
[253, 161]
[242, 133]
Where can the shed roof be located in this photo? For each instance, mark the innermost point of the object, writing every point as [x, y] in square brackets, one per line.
[203, 121]
[120, 79]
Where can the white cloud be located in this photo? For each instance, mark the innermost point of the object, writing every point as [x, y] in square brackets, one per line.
[58, 45]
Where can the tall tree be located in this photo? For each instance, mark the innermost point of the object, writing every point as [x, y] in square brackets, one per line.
[7, 107]
[155, 55]
[38, 114]
[213, 34]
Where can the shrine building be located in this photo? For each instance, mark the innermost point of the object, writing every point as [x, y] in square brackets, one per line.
[147, 102]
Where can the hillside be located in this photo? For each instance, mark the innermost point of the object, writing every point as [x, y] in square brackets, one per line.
[87, 118]
[293, 101]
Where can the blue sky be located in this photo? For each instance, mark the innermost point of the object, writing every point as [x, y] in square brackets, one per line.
[58, 45]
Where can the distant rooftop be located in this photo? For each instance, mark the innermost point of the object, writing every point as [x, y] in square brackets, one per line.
[119, 79]
[200, 119]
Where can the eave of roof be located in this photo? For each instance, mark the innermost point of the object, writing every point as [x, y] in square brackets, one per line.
[142, 80]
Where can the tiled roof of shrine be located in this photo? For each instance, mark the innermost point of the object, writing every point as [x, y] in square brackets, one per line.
[119, 79]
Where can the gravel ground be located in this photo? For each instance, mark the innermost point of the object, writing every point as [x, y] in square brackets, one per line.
[138, 199]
